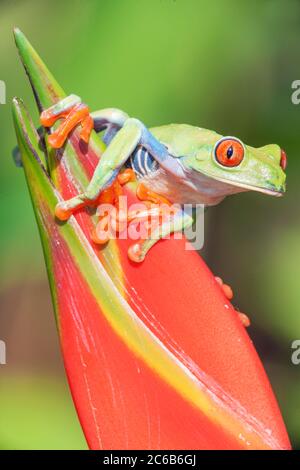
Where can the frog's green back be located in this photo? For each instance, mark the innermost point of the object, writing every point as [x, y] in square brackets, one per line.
[184, 139]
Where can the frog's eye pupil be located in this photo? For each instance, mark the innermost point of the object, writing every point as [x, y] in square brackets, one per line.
[229, 152]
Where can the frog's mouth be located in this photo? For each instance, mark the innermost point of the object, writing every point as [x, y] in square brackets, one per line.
[271, 191]
[216, 187]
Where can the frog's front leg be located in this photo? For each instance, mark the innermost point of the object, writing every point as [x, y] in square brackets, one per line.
[74, 112]
[132, 134]
[112, 160]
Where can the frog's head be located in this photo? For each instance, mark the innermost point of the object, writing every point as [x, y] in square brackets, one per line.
[239, 167]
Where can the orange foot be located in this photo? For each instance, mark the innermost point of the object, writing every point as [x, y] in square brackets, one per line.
[117, 220]
[101, 233]
[229, 295]
[76, 114]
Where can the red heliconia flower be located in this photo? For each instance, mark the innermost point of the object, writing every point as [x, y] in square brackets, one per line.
[155, 354]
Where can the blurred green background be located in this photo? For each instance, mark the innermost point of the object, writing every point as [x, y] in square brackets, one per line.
[225, 65]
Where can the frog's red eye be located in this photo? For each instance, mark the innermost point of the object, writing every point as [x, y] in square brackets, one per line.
[229, 152]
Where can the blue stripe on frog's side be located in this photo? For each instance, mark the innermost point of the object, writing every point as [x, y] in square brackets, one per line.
[142, 162]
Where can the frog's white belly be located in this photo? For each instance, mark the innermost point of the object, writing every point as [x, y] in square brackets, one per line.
[196, 189]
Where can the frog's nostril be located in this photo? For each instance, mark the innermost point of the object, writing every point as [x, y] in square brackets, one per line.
[283, 160]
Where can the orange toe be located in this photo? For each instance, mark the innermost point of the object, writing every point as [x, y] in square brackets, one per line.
[145, 194]
[87, 127]
[56, 141]
[102, 233]
[225, 288]
[244, 319]
[126, 176]
[135, 253]
[227, 291]
[62, 214]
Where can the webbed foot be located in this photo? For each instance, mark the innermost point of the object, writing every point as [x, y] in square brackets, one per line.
[157, 215]
[73, 112]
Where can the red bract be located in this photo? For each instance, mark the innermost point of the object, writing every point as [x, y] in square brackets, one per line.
[155, 355]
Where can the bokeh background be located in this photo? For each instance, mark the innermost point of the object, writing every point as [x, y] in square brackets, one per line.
[225, 65]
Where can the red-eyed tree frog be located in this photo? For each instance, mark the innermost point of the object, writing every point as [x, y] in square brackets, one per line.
[178, 163]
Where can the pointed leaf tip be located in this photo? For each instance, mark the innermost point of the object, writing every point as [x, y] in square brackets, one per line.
[27, 136]
[17, 31]
[45, 88]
